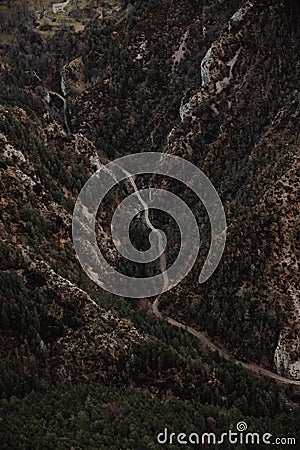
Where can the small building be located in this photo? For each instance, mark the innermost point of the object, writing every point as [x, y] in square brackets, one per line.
[59, 8]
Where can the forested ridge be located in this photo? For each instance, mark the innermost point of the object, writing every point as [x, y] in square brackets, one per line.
[77, 375]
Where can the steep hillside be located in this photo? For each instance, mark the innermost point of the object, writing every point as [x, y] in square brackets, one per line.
[246, 119]
[47, 321]
[224, 95]
[217, 83]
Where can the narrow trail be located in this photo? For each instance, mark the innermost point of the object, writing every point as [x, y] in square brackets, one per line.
[202, 337]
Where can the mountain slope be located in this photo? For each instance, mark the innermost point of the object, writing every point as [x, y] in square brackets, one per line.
[230, 106]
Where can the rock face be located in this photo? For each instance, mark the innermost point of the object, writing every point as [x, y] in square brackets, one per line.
[284, 356]
[287, 352]
[93, 340]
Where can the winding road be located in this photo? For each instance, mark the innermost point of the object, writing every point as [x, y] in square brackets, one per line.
[201, 336]
[207, 343]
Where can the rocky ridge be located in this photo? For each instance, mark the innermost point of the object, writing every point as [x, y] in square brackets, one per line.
[65, 334]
